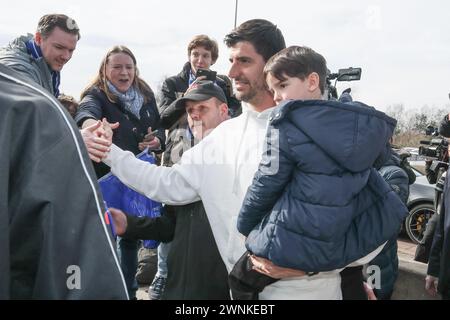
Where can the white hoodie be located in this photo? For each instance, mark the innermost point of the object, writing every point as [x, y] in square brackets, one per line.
[218, 171]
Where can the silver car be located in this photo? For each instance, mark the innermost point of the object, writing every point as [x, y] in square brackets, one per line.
[420, 205]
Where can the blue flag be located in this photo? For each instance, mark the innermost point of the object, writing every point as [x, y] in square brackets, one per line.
[118, 195]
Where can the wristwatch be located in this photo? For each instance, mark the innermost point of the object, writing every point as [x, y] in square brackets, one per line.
[310, 274]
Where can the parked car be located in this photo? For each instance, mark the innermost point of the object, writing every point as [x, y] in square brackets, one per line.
[421, 207]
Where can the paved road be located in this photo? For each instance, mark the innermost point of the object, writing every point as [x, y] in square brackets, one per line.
[406, 248]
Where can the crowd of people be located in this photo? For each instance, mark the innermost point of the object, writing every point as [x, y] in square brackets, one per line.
[269, 189]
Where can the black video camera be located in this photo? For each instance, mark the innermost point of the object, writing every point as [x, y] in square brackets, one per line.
[436, 150]
[349, 74]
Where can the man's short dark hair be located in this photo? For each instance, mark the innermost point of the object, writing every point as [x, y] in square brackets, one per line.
[49, 22]
[298, 62]
[262, 34]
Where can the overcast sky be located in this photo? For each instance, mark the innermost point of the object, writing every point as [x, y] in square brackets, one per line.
[403, 47]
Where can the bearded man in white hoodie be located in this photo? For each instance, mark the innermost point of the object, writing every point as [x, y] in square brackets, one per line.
[221, 167]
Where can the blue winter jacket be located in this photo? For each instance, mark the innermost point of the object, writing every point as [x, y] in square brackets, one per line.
[316, 202]
[387, 259]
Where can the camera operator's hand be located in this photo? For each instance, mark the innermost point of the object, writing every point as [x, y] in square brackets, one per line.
[431, 284]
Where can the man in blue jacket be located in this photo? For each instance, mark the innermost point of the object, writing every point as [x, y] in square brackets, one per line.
[399, 176]
[41, 57]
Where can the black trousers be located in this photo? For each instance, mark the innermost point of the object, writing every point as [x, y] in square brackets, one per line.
[352, 284]
[246, 283]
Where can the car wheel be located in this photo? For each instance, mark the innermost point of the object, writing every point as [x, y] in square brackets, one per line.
[416, 222]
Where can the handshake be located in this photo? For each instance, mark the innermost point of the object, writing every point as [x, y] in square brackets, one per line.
[97, 136]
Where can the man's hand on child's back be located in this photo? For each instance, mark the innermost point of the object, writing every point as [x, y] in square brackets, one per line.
[267, 267]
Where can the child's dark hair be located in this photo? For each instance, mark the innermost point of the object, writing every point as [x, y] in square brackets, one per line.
[298, 62]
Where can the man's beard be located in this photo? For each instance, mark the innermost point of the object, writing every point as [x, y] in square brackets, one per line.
[246, 96]
[254, 89]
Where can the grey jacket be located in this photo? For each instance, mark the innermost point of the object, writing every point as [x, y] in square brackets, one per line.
[15, 56]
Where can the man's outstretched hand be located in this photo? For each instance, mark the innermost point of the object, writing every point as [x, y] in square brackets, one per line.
[97, 137]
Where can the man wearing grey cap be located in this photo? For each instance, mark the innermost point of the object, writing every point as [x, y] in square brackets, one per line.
[193, 252]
